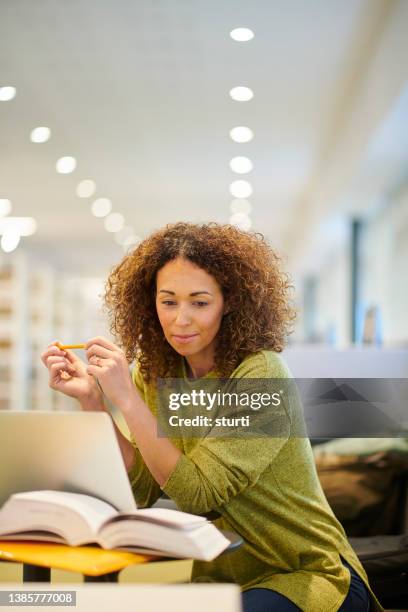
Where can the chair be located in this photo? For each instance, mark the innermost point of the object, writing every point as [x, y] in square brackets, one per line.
[369, 495]
[385, 559]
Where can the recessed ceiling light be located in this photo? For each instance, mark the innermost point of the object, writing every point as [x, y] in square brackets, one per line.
[241, 134]
[7, 93]
[40, 134]
[241, 220]
[23, 226]
[122, 235]
[241, 206]
[65, 165]
[114, 222]
[241, 94]
[101, 207]
[85, 188]
[242, 34]
[131, 241]
[5, 207]
[9, 241]
[241, 189]
[241, 165]
[27, 226]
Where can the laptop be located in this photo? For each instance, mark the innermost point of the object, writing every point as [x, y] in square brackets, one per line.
[65, 451]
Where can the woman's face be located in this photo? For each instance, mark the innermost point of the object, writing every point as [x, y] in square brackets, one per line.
[190, 306]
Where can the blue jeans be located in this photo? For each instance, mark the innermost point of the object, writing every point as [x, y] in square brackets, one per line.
[266, 600]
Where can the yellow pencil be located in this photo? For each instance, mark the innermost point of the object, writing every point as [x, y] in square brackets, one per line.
[69, 346]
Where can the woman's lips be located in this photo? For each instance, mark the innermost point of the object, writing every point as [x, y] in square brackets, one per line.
[184, 339]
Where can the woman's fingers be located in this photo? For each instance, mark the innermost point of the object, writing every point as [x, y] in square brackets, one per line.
[93, 370]
[101, 362]
[96, 350]
[64, 375]
[54, 363]
[59, 376]
[52, 350]
[71, 356]
[94, 360]
[53, 353]
[102, 342]
[56, 369]
[62, 363]
[51, 359]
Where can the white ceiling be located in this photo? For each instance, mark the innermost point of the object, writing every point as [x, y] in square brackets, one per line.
[137, 91]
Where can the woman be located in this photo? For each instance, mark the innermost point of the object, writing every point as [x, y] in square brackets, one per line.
[204, 301]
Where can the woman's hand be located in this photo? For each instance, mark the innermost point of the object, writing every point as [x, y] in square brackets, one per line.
[108, 364]
[68, 374]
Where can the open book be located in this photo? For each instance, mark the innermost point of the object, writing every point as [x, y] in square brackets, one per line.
[76, 519]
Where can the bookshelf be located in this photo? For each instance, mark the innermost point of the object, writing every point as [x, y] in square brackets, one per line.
[37, 306]
[13, 332]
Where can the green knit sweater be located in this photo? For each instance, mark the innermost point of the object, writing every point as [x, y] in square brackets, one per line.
[266, 490]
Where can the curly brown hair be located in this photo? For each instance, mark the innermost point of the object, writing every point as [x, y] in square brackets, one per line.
[255, 290]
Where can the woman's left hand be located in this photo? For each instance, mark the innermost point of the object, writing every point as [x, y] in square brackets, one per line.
[107, 363]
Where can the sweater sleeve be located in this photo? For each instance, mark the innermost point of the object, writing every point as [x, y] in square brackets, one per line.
[145, 489]
[218, 469]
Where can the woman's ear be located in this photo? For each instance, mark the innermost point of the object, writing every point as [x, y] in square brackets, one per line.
[228, 307]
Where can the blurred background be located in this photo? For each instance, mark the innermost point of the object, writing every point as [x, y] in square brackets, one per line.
[286, 118]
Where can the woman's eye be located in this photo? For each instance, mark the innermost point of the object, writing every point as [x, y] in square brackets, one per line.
[168, 302]
[200, 304]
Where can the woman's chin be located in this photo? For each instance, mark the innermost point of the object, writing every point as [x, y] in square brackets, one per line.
[184, 350]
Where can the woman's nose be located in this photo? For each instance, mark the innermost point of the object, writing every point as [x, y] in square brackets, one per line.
[182, 317]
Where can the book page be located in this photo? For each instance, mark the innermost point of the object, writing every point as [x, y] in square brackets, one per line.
[204, 542]
[93, 510]
[162, 516]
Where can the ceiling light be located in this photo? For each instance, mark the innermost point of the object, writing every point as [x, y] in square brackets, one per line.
[122, 235]
[131, 241]
[114, 222]
[241, 206]
[40, 134]
[5, 207]
[241, 221]
[241, 165]
[7, 93]
[241, 189]
[65, 165]
[241, 94]
[101, 207]
[27, 226]
[242, 34]
[241, 134]
[9, 241]
[86, 189]
[23, 226]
